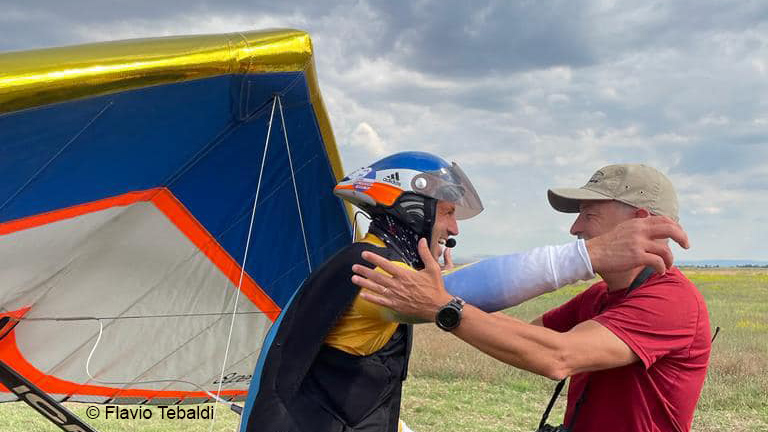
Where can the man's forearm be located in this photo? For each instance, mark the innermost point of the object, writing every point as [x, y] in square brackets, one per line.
[500, 282]
[525, 346]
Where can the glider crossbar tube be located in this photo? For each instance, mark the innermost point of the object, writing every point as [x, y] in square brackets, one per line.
[41, 402]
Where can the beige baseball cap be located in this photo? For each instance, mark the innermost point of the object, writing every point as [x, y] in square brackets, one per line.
[637, 185]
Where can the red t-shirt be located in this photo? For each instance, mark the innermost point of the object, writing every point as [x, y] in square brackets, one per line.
[666, 323]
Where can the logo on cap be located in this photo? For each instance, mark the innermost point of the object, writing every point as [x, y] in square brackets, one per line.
[597, 177]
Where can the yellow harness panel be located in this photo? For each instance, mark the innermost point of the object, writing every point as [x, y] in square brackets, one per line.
[365, 327]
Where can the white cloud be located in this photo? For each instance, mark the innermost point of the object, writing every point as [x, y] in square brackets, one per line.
[184, 24]
[366, 137]
[504, 158]
[381, 74]
[760, 65]
[558, 99]
[714, 120]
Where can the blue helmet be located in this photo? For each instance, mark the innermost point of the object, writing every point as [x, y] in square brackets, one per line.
[384, 183]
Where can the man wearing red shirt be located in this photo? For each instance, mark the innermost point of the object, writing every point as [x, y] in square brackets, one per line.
[662, 322]
[635, 345]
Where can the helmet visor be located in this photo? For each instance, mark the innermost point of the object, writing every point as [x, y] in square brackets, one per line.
[452, 185]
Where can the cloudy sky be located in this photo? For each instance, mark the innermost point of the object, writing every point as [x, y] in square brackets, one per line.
[524, 94]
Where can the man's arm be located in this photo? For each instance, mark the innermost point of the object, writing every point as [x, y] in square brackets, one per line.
[504, 281]
[500, 282]
[588, 346]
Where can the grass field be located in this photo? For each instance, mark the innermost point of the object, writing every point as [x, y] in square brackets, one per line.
[454, 388]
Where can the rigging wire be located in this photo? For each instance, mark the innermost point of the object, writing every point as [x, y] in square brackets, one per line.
[245, 255]
[293, 178]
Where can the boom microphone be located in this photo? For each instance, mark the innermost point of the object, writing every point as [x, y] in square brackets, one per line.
[451, 242]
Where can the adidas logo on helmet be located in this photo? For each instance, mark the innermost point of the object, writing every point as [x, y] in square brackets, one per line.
[393, 178]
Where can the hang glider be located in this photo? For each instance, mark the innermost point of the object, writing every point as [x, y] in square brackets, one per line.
[164, 198]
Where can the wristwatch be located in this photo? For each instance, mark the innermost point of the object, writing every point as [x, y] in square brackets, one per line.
[449, 316]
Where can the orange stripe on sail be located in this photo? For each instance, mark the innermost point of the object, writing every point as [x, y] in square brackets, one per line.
[180, 216]
[74, 211]
[12, 356]
[167, 203]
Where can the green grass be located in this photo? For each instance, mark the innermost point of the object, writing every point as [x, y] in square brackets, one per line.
[452, 387]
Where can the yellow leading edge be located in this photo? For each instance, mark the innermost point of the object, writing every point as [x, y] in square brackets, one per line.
[44, 76]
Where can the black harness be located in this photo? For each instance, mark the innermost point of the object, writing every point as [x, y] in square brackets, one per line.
[307, 386]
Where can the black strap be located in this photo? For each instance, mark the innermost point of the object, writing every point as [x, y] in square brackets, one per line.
[641, 278]
[558, 389]
[717, 332]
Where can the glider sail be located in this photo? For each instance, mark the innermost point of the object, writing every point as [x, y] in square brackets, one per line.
[164, 197]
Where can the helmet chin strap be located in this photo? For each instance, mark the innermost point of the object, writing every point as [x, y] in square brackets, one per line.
[428, 224]
[401, 225]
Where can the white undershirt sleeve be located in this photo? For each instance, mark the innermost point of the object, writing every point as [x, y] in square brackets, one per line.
[500, 282]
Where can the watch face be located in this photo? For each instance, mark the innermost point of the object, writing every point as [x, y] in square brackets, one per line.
[448, 317]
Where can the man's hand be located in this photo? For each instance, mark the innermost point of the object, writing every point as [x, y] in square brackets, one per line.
[634, 243]
[419, 294]
[447, 259]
